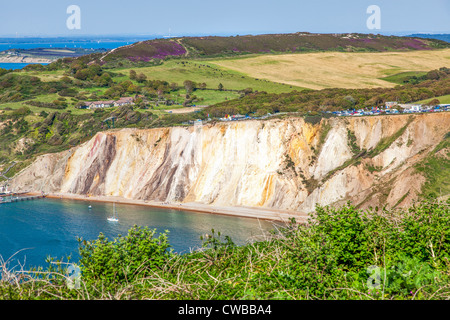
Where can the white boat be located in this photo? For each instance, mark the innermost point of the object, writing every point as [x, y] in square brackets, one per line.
[114, 218]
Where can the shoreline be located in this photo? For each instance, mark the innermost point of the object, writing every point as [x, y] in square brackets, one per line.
[18, 59]
[236, 211]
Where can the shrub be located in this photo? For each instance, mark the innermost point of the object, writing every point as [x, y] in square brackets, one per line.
[124, 258]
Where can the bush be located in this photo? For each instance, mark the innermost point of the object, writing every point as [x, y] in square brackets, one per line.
[124, 258]
[341, 253]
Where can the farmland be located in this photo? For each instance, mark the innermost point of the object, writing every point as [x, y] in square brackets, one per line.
[337, 69]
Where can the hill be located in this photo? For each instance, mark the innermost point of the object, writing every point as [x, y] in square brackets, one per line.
[442, 36]
[215, 46]
[321, 70]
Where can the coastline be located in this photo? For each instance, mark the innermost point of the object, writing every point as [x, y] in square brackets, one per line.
[237, 211]
[19, 59]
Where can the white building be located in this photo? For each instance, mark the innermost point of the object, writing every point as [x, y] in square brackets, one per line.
[411, 107]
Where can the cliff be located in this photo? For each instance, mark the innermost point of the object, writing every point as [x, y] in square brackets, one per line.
[286, 164]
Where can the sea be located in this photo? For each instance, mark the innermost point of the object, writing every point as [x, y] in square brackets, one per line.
[14, 66]
[31, 231]
[88, 43]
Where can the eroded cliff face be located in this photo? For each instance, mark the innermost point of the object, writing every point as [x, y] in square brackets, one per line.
[287, 164]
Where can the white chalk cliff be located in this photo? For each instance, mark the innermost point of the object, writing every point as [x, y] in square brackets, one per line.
[287, 164]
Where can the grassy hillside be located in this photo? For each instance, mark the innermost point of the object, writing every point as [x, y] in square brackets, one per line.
[304, 42]
[205, 72]
[403, 77]
[333, 98]
[442, 99]
[436, 169]
[338, 69]
[214, 46]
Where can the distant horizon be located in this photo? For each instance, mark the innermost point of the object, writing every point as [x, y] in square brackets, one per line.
[131, 35]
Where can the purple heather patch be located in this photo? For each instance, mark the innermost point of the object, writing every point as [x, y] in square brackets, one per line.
[415, 44]
[163, 49]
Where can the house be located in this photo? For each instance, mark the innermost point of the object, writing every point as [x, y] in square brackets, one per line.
[411, 107]
[124, 101]
[100, 104]
[4, 189]
[390, 104]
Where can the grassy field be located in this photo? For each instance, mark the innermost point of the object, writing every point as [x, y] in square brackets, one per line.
[400, 77]
[442, 99]
[45, 76]
[337, 69]
[42, 98]
[203, 71]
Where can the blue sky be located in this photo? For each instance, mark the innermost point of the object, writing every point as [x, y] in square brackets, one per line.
[225, 17]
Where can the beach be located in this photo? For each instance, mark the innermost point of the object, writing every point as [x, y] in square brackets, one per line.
[269, 214]
[22, 59]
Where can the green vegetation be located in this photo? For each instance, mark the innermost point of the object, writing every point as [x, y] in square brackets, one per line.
[387, 141]
[341, 253]
[436, 169]
[325, 129]
[442, 99]
[331, 99]
[157, 50]
[404, 77]
[39, 116]
[415, 77]
[179, 71]
[301, 42]
[54, 131]
[351, 141]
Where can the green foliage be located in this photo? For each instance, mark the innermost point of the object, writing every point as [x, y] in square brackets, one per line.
[125, 258]
[436, 169]
[387, 141]
[352, 142]
[333, 99]
[408, 276]
[330, 257]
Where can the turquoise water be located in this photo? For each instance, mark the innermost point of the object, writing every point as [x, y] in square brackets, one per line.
[15, 66]
[50, 227]
[63, 44]
[48, 43]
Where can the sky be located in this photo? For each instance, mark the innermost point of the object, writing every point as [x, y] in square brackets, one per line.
[47, 18]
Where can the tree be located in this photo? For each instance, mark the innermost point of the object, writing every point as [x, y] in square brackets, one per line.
[133, 75]
[189, 86]
[132, 88]
[141, 77]
[220, 87]
[434, 102]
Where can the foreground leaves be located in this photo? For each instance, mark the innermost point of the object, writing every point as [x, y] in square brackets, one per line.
[341, 253]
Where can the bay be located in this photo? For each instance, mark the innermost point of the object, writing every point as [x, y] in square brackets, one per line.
[32, 230]
[32, 43]
[15, 66]
[6, 45]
